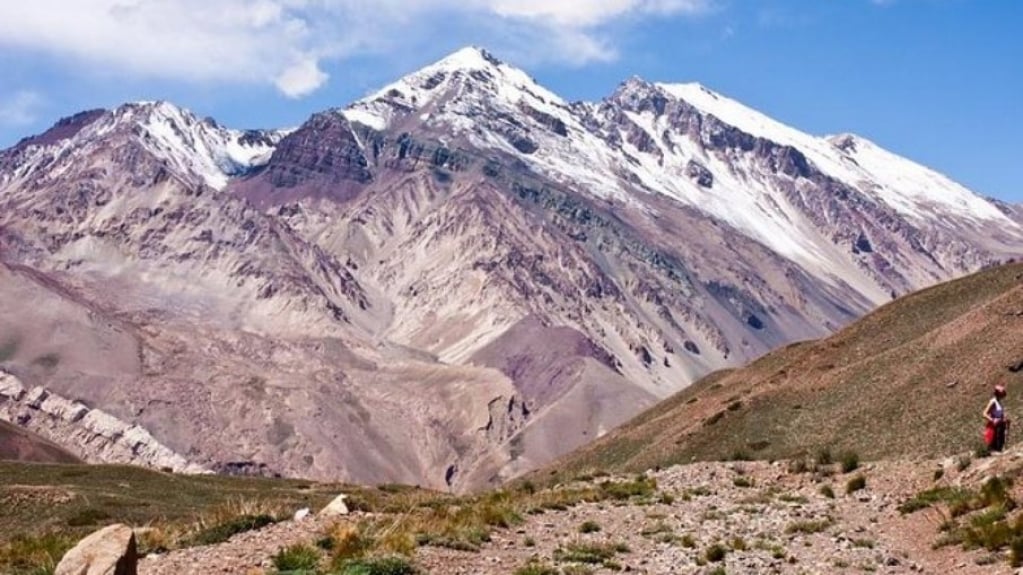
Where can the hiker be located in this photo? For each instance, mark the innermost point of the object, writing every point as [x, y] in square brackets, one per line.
[995, 420]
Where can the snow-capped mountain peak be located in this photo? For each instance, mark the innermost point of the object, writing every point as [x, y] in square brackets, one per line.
[456, 86]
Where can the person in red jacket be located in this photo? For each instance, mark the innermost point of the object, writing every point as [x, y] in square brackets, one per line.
[996, 422]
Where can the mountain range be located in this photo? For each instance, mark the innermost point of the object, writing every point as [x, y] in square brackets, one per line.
[449, 282]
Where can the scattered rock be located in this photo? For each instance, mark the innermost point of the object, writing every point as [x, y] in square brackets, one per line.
[302, 514]
[336, 507]
[109, 551]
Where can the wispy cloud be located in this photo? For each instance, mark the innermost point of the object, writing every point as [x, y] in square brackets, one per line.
[288, 43]
[20, 108]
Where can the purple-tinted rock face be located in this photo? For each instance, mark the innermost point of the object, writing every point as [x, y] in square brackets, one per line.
[64, 129]
[323, 158]
[324, 151]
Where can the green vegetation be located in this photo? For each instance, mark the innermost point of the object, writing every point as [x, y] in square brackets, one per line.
[977, 519]
[297, 559]
[925, 499]
[589, 527]
[537, 567]
[378, 566]
[34, 555]
[591, 553]
[808, 527]
[850, 461]
[219, 532]
[856, 484]
[715, 553]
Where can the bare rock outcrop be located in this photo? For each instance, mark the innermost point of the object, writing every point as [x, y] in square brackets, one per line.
[95, 435]
[109, 551]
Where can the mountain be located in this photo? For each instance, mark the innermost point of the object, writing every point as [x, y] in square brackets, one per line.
[16, 444]
[908, 380]
[453, 280]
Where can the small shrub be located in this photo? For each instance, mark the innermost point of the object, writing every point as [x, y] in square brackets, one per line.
[589, 527]
[623, 490]
[393, 565]
[687, 541]
[715, 553]
[925, 499]
[536, 567]
[1016, 551]
[981, 451]
[593, 553]
[740, 455]
[738, 543]
[938, 474]
[995, 492]
[808, 527]
[742, 482]
[300, 558]
[856, 484]
[220, 532]
[824, 457]
[827, 491]
[529, 542]
[849, 461]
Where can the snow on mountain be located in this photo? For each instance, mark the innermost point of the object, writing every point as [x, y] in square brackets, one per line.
[197, 146]
[613, 152]
[912, 189]
[200, 150]
[908, 187]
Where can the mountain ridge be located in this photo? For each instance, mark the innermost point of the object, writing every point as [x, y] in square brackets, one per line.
[533, 272]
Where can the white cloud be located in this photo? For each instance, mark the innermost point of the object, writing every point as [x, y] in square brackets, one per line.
[286, 42]
[20, 108]
[302, 78]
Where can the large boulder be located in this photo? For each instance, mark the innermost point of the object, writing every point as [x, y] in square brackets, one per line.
[109, 551]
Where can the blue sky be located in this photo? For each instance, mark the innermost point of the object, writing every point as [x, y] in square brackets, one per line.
[939, 81]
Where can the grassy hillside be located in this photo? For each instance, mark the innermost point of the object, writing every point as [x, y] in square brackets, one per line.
[46, 508]
[910, 379]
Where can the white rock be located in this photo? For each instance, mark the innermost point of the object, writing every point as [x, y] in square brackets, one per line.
[109, 551]
[302, 514]
[336, 507]
[11, 387]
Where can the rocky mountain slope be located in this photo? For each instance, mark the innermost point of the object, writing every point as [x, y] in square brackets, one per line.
[909, 379]
[704, 518]
[532, 272]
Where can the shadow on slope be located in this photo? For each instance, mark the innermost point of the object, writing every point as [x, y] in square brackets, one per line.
[19, 445]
